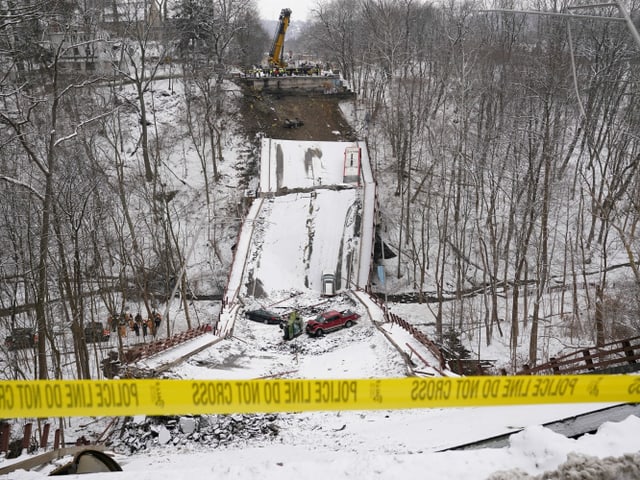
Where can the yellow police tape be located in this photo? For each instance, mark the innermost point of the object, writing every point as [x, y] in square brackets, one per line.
[40, 398]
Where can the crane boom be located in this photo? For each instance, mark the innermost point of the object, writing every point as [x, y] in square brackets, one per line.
[277, 48]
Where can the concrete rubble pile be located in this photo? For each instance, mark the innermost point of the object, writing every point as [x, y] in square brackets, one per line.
[215, 431]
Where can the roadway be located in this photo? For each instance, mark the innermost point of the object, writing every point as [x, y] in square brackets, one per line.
[307, 218]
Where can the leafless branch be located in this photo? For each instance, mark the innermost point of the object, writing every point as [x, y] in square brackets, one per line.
[19, 183]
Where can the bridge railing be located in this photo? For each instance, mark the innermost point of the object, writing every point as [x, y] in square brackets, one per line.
[415, 332]
[139, 352]
[622, 355]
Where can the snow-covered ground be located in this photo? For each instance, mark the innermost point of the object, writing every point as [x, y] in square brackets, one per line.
[300, 246]
[346, 444]
[361, 444]
[392, 445]
[351, 444]
[314, 229]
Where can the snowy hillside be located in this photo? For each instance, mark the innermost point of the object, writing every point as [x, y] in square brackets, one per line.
[382, 444]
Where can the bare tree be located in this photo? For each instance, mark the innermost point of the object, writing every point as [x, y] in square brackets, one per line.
[211, 35]
[36, 126]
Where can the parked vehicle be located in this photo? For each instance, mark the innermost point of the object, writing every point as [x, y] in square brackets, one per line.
[95, 332]
[264, 316]
[328, 284]
[330, 321]
[21, 338]
[293, 326]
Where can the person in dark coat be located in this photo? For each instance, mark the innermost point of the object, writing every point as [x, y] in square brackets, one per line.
[137, 324]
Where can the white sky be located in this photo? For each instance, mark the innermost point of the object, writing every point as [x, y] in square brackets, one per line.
[270, 9]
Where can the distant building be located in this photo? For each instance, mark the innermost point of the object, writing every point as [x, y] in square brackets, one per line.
[86, 46]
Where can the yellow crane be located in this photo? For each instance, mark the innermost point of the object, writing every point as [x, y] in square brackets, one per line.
[277, 48]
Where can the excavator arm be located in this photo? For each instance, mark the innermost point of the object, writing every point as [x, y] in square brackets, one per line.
[277, 48]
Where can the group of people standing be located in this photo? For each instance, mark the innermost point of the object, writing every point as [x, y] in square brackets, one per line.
[126, 323]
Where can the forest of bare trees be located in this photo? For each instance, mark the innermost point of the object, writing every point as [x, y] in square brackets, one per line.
[507, 144]
[87, 213]
[511, 143]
